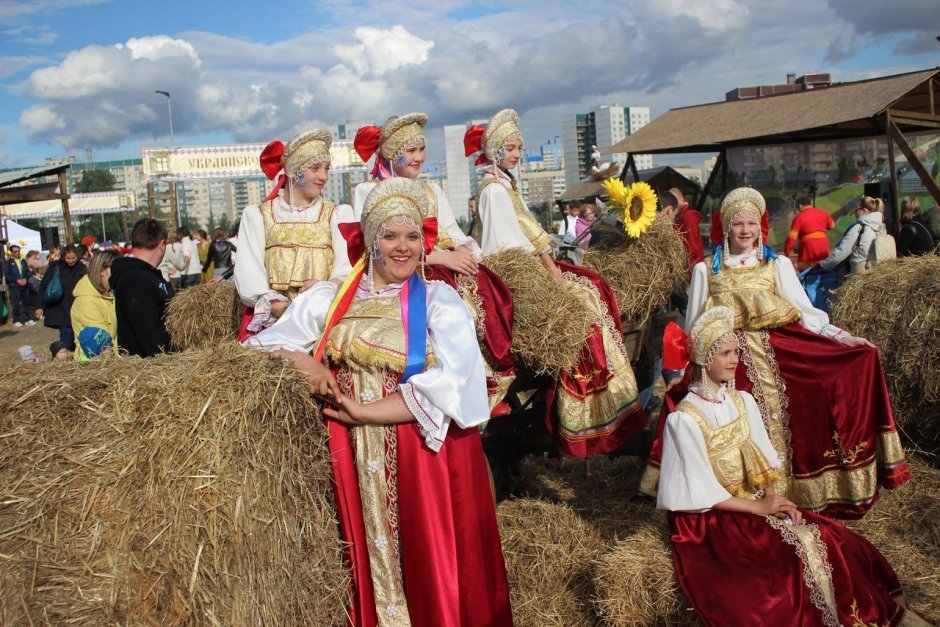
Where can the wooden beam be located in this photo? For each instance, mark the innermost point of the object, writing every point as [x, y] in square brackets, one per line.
[629, 165]
[151, 204]
[914, 161]
[14, 199]
[64, 188]
[712, 176]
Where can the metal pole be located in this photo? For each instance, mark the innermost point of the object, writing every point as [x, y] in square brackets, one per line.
[104, 233]
[169, 106]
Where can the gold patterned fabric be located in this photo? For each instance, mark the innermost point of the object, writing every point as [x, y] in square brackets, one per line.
[501, 128]
[533, 232]
[310, 147]
[370, 336]
[295, 252]
[738, 463]
[400, 131]
[751, 295]
[739, 200]
[397, 197]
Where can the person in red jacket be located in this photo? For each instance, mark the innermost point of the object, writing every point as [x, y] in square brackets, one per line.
[687, 223]
[809, 227]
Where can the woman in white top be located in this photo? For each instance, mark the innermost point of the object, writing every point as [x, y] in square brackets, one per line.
[787, 566]
[596, 405]
[399, 151]
[821, 390]
[404, 389]
[292, 239]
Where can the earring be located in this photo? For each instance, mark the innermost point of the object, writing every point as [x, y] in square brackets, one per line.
[760, 245]
[724, 250]
[373, 255]
[704, 379]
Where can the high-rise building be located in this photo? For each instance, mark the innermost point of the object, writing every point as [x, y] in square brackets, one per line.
[603, 126]
[462, 177]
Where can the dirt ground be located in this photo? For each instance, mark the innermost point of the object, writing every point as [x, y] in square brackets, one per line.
[37, 336]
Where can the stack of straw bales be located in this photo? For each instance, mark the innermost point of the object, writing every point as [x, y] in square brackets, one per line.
[203, 316]
[642, 272]
[551, 320]
[186, 488]
[572, 506]
[897, 306]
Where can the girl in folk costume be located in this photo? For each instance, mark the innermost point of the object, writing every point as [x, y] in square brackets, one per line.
[596, 406]
[404, 388]
[821, 391]
[787, 566]
[292, 239]
[399, 150]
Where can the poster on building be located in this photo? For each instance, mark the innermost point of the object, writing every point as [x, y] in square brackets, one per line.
[189, 163]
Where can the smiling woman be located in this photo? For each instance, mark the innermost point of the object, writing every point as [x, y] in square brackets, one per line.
[403, 383]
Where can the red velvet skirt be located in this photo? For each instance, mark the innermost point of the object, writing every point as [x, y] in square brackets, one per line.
[843, 443]
[742, 569]
[451, 559]
[591, 384]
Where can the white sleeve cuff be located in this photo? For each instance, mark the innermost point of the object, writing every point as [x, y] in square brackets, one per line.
[262, 318]
[431, 421]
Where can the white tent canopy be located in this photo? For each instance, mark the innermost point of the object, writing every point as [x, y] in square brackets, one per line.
[79, 204]
[26, 239]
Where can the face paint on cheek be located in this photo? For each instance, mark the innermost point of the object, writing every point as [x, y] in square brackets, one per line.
[300, 178]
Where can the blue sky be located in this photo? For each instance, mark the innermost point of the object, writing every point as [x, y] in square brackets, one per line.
[83, 72]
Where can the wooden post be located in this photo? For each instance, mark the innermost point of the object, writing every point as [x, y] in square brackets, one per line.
[151, 201]
[893, 171]
[124, 225]
[64, 190]
[173, 205]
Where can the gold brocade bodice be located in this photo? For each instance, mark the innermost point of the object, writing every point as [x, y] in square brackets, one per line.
[739, 465]
[533, 232]
[444, 242]
[295, 252]
[370, 336]
[751, 294]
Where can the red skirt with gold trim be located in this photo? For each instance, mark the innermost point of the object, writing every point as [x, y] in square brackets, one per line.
[746, 569]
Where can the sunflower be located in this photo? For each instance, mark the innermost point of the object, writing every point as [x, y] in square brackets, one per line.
[639, 210]
[616, 191]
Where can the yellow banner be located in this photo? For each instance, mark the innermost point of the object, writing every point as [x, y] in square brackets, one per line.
[187, 163]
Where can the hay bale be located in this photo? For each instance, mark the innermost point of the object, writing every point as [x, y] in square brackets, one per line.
[549, 552]
[190, 488]
[203, 316]
[642, 272]
[905, 526]
[895, 305]
[551, 320]
[636, 582]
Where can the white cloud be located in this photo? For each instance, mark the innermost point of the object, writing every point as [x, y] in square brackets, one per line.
[381, 50]
[14, 65]
[40, 35]
[542, 57]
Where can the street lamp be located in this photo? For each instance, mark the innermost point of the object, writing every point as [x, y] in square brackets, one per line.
[169, 106]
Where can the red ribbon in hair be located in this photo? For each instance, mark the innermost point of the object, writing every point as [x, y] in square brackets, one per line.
[675, 347]
[272, 162]
[356, 245]
[473, 139]
[367, 141]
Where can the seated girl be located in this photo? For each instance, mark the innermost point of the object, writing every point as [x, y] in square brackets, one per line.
[776, 564]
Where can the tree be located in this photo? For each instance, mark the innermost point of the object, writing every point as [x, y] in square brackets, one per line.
[96, 180]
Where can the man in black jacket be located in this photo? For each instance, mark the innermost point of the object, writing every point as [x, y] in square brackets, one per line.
[141, 293]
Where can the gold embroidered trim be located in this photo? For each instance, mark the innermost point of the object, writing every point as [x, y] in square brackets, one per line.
[295, 252]
[817, 571]
[649, 483]
[469, 294]
[846, 458]
[770, 393]
[751, 295]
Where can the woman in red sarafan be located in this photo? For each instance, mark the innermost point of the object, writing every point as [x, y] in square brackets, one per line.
[405, 390]
[821, 391]
[781, 565]
[596, 405]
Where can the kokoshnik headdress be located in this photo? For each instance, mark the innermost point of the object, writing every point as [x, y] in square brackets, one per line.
[501, 129]
[398, 134]
[307, 149]
[742, 200]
